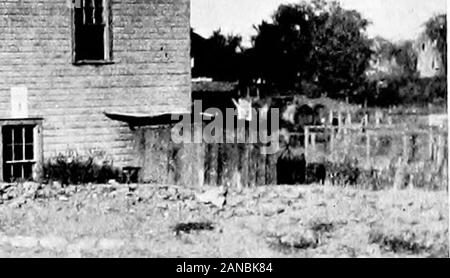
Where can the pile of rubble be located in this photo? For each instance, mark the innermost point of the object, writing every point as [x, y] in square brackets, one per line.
[19, 194]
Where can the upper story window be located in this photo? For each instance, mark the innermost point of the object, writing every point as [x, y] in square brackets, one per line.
[92, 35]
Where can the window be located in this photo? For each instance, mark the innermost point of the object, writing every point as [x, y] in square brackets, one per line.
[18, 152]
[92, 35]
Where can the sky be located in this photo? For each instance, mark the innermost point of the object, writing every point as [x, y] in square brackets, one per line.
[395, 20]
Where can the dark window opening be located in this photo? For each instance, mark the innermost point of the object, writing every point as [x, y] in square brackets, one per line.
[18, 152]
[92, 36]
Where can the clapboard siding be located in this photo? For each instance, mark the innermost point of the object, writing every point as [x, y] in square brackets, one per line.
[150, 74]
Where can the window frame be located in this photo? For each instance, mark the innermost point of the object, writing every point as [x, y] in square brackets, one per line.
[37, 145]
[108, 37]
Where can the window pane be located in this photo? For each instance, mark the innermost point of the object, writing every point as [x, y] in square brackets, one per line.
[18, 152]
[79, 17]
[27, 171]
[29, 130]
[7, 173]
[7, 131]
[18, 135]
[17, 171]
[98, 3]
[99, 16]
[90, 42]
[89, 16]
[7, 153]
[29, 149]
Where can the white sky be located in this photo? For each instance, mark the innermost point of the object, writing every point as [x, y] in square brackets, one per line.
[392, 19]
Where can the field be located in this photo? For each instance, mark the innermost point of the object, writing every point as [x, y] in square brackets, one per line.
[269, 221]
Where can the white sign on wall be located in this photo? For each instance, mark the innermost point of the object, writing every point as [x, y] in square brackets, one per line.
[244, 109]
[19, 102]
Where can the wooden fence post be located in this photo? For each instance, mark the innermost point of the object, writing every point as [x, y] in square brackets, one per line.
[430, 144]
[331, 140]
[313, 141]
[306, 142]
[405, 147]
[368, 148]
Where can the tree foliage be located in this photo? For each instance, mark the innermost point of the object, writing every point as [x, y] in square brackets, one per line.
[318, 43]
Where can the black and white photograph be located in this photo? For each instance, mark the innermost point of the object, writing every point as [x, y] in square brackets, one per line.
[223, 129]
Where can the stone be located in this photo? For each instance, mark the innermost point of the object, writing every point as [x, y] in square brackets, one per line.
[56, 185]
[19, 202]
[5, 186]
[63, 199]
[110, 244]
[23, 242]
[83, 245]
[215, 196]
[3, 239]
[74, 254]
[53, 243]
[132, 187]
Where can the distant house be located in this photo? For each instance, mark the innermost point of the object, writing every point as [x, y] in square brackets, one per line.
[429, 59]
[64, 63]
[383, 62]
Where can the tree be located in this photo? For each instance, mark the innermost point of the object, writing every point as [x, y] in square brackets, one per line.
[314, 44]
[216, 56]
[224, 51]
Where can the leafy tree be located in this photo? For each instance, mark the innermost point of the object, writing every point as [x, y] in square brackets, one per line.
[217, 56]
[311, 45]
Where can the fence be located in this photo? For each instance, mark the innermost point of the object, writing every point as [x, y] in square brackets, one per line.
[419, 154]
[197, 164]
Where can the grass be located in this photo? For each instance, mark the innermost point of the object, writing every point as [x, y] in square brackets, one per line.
[277, 221]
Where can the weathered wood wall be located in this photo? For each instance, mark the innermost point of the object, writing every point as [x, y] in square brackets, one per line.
[193, 165]
[150, 74]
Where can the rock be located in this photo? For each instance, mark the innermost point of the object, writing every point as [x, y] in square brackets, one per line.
[23, 242]
[132, 187]
[7, 197]
[215, 196]
[63, 199]
[74, 254]
[113, 182]
[53, 243]
[5, 186]
[19, 202]
[374, 251]
[83, 245]
[56, 185]
[110, 244]
[70, 190]
[3, 239]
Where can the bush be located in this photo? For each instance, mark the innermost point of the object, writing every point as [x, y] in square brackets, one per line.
[76, 169]
[344, 173]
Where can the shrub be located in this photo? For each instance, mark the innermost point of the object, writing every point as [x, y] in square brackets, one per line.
[73, 168]
[343, 173]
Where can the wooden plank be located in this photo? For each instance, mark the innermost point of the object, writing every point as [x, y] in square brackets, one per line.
[243, 164]
[157, 143]
[211, 164]
[191, 165]
[271, 169]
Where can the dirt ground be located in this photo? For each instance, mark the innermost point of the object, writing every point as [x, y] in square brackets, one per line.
[271, 221]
